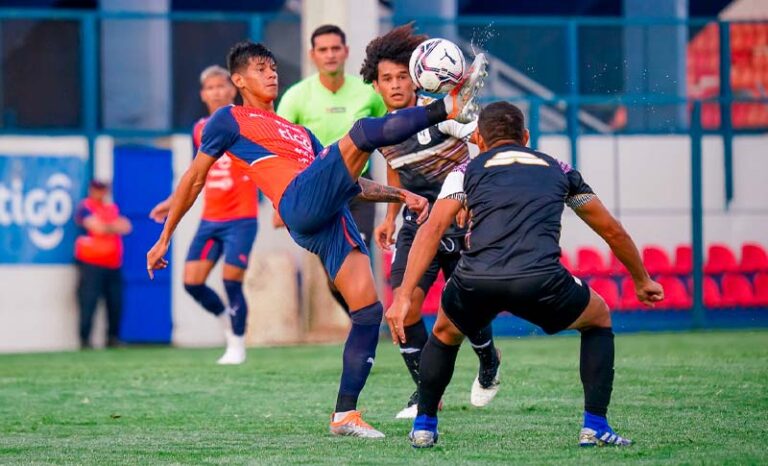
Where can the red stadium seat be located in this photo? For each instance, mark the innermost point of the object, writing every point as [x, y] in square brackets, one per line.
[761, 289]
[720, 259]
[589, 262]
[737, 291]
[606, 288]
[675, 294]
[712, 296]
[629, 297]
[432, 300]
[656, 260]
[753, 258]
[683, 260]
[386, 263]
[616, 268]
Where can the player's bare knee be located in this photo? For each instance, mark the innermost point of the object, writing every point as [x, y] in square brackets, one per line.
[233, 273]
[601, 314]
[446, 332]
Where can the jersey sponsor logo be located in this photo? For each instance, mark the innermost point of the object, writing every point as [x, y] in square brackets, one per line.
[512, 157]
[220, 175]
[336, 110]
[424, 137]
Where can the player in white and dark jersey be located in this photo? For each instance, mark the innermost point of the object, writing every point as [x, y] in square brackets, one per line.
[516, 197]
[420, 164]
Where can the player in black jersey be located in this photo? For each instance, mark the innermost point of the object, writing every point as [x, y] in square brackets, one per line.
[420, 164]
[516, 197]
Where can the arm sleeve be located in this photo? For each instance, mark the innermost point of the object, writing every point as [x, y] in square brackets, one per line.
[456, 129]
[288, 107]
[220, 133]
[579, 192]
[453, 186]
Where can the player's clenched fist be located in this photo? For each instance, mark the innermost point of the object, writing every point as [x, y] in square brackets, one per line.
[649, 293]
[155, 258]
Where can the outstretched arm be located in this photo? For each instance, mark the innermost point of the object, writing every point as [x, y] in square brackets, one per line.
[183, 197]
[594, 214]
[423, 250]
[375, 192]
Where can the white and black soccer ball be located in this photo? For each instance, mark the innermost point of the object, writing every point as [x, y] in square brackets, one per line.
[437, 65]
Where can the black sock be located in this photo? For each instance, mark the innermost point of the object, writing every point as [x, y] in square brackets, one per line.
[482, 345]
[596, 369]
[415, 339]
[437, 363]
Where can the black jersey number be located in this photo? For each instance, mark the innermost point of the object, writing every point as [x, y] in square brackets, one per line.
[510, 157]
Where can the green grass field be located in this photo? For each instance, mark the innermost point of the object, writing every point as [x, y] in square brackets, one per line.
[684, 398]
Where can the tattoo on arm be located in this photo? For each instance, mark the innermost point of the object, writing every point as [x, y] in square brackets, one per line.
[375, 192]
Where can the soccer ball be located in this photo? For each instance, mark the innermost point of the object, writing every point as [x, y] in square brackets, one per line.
[436, 65]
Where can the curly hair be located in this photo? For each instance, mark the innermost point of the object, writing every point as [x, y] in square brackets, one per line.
[397, 46]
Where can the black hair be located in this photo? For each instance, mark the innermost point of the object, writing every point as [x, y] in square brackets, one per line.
[328, 29]
[397, 46]
[501, 121]
[241, 53]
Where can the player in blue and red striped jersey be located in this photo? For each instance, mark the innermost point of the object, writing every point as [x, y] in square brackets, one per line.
[228, 226]
[311, 186]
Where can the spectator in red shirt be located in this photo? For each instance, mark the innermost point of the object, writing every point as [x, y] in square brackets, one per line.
[99, 255]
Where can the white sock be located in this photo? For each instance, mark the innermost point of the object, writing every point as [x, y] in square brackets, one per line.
[339, 416]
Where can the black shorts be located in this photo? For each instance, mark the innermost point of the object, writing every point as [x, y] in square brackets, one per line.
[552, 301]
[446, 259]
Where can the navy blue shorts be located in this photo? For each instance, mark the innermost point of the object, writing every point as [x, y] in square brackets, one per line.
[234, 238]
[314, 209]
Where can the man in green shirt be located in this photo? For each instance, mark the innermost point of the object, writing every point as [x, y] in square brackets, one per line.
[330, 101]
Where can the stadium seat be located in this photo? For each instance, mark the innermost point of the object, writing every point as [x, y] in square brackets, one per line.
[712, 296]
[589, 262]
[628, 297]
[432, 300]
[720, 259]
[616, 268]
[675, 293]
[607, 288]
[656, 260]
[683, 260]
[737, 291]
[386, 263]
[753, 258]
[761, 289]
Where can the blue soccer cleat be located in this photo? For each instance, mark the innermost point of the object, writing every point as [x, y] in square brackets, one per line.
[592, 438]
[597, 433]
[424, 433]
